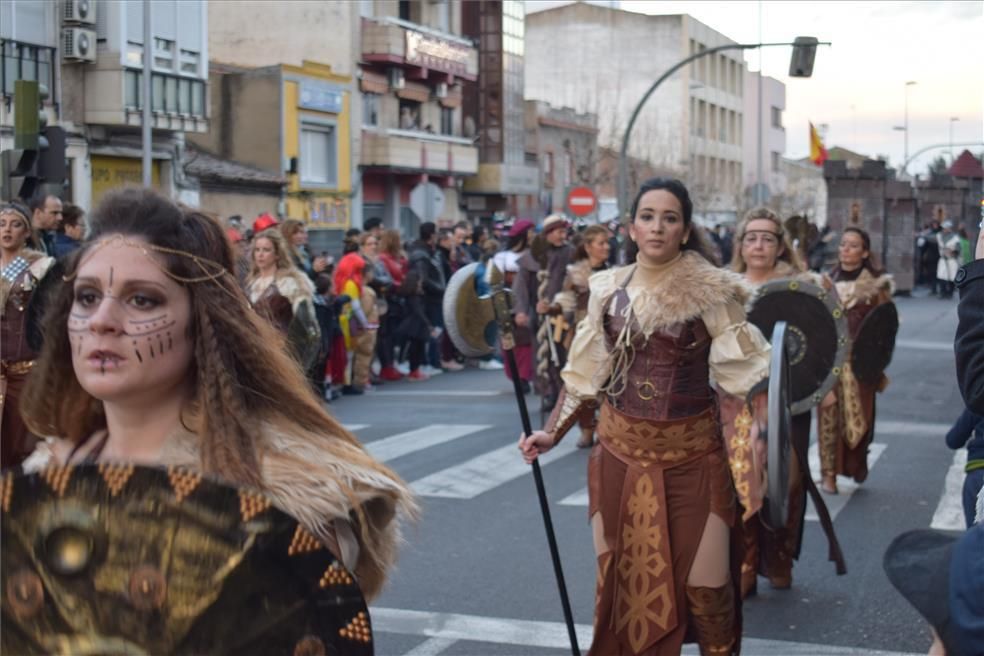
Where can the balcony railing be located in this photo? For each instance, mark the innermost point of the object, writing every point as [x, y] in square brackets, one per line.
[416, 150]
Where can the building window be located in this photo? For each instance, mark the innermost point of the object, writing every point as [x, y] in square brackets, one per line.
[190, 62]
[409, 114]
[370, 109]
[24, 62]
[164, 54]
[548, 168]
[776, 161]
[404, 9]
[319, 158]
[171, 93]
[777, 118]
[447, 121]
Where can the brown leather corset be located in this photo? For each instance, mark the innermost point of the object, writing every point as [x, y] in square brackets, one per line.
[13, 340]
[856, 315]
[669, 376]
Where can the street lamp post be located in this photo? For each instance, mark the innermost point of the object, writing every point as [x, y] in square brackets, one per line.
[800, 67]
[953, 119]
[905, 157]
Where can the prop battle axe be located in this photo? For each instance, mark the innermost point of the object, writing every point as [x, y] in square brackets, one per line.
[502, 303]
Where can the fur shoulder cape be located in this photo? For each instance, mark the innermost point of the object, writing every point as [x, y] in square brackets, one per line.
[684, 291]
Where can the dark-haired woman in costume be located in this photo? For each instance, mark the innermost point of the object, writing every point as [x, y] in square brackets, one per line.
[661, 499]
[154, 356]
[846, 418]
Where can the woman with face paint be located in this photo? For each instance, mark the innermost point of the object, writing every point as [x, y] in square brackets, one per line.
[761, 253]
[154, 356]
[22, 269]
[282, 294]
[661, 498]
[846, 418]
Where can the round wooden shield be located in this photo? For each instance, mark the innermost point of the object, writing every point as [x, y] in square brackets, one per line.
[119, 559]
[780, 429]
[816, 335]
[468, 317]
[875, 343]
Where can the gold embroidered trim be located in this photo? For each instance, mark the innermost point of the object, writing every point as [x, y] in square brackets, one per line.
[740, 451]
[183, 481]
[6, 491]
[57, 476]
[252, 504]
[116, 476]
[335, 575]
[648, 442]
[303, 542]
[357, 629]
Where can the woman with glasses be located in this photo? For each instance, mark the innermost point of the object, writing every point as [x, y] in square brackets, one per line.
[761, 253]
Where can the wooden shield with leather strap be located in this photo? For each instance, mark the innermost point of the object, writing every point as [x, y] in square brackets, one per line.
[816, 335]
[875, 343]
[780, 429]
[118, 559]
[468, 317]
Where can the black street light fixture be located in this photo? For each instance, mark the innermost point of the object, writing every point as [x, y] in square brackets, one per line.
[800, 65]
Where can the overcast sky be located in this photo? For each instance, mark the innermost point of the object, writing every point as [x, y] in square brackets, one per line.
[858, 83]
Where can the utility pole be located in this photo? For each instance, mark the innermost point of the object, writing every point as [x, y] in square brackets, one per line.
[148, 59]
[905, 156]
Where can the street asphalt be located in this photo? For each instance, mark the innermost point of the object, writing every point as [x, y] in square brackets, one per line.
[475, 575]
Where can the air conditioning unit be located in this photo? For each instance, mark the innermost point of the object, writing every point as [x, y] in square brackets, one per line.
[78, 45]
[441, 90]
[79, 12]
[396, 78]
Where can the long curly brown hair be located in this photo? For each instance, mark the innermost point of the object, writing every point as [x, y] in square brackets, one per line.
[243, 377]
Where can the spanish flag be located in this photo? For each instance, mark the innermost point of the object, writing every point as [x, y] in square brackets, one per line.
[818, 154]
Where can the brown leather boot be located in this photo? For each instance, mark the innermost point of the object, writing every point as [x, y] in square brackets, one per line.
[712, 616]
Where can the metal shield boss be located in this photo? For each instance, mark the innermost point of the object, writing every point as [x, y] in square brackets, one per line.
[469, 318]
[816, 335]
[119, 559]
[779, 446]
[875, 343]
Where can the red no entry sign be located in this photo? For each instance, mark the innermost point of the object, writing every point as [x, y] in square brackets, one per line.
[581, 201]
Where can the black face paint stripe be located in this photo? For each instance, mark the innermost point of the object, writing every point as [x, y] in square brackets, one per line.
[160, 318]
[110, 276]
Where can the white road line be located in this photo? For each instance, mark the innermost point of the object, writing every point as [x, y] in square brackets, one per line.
[579, 498]
[401, 444]
[845, 486]
[924, 345]
[431, 647]
[949, 514]
[354, 427]
[553, 635]
[482, 473]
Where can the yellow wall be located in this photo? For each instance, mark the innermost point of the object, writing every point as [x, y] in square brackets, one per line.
[112, 172]
[324, 208]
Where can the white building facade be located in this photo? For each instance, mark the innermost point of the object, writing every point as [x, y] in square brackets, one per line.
[602, 61]
[765, 139]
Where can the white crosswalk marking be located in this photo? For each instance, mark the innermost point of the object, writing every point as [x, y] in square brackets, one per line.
[949, 514]
[845, 486]
[401, 444]
[529, 634]
[354, 427]
[484, 472]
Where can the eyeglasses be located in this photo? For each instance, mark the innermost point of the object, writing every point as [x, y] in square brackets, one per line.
[764, 237]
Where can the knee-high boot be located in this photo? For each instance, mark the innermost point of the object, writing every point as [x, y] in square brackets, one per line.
[712, 616]
[750, 563]
[827, 439]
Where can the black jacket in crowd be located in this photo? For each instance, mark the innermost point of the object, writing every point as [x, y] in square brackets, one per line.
[969, 343]
[425, 260]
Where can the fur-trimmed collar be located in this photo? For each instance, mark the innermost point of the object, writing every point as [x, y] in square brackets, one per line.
[305, 481]
[685, 290]
[864, 287]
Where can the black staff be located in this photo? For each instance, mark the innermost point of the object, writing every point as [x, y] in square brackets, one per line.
[502, 303]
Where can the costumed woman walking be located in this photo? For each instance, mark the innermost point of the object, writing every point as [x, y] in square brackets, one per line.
[761, 253]
[22, 270]
[590, 257]
[661, 500]
[846, 419]
[153, 356]
[283, 295]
